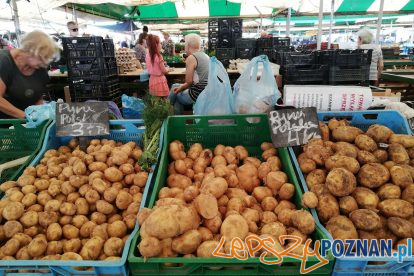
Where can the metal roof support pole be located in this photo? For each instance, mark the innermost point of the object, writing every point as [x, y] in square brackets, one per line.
[289, 15]
[318, 45]
[379, 23]
[16, 21]
[74, 15]
[330, 23]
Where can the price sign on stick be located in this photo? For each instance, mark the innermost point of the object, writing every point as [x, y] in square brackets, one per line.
[82, 119]
[293, 127]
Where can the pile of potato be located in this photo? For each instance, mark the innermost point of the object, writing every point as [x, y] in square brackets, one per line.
[210, 194]
[73, 205]
[361, 184]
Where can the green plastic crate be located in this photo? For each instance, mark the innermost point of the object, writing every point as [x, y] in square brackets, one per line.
[17, 141]
[236, 131]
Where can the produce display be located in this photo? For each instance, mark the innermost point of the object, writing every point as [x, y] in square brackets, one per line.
[74, 205]
[126, 59]
[361, 184]
[223, 192]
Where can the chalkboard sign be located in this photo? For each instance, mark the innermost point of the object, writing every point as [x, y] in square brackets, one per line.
[82, 119]
[293, 127]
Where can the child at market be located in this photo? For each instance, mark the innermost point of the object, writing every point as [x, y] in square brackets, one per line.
[158, 85]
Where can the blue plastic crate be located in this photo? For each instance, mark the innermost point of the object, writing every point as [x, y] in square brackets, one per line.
[126, 130]
[346, 266]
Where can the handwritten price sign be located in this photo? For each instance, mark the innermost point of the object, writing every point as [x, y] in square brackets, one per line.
[82, 119]
[293, 127]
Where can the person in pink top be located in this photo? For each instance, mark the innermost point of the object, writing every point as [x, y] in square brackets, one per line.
[158, 85]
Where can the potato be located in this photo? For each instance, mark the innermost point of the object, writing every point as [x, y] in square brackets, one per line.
[13, 211]
[15, 196]
[71, 256]
[11, 228]
[54, 232]
[408, 194]
[274, 163]
[346, 133]
[205, 234]
[23, 254]
[345, 162]
[401, 177]
[25, 180]
[43, 197]
[381, 155]
[235, 204]
[29, 189]
[254, 161]
[260, 193]
[400, 227]
[341, 228]
[389, 191]
[206, 249]
[117, 229]
[315, 177]
[364, 142]
[407, 141]
[241, 152]
[113, 174]
[345, 149]
[91, 249]
[216, 186]
[98, 218]
[284, 204]
[37, 247]
[373, 175]
[309, 200]
[187, 243]
[366, 157]
[104, 207]
[178, 181]
[150, 247]
[22, 238]
[113, 247]
[396, 208]
[234, 226]
[248, 177]
[213, 224]
[251, 215]
[292, 231]
[327, 208]
[65, 220]
[398, 154]
[275, 229]
[365, 219]
[29, 219]
[82, 207]
[79, 168]
[11, 247]
[347, 204]
[303, 220]
[285, 216]
[70, 232]
[317, 153]
[379, 133]
[68, 209]
[190, 193]
[72, 197]
[287, 191]
[79, 220]
[86, 230]
[340, 182]
[140, 179]
[29, 199]
[206, 205]
[269, 203]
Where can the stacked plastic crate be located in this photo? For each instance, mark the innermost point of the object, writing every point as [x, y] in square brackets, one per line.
[271, 45]
[245, 48]
[229, 30]
[301, 68]
[92, 69]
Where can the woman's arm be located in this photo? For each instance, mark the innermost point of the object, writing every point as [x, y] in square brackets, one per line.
[6, 107]
[190, 65]
[164, 70]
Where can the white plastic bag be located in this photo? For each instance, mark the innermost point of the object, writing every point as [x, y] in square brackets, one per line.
[216, 97]
[252, 95]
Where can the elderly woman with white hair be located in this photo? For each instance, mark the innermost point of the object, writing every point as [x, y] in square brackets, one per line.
[365, 38]
[23, 74]
[196, 76]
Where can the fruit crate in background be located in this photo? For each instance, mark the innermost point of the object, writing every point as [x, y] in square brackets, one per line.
[224, 53]
[210, 131]
[341, 75]
[346, 266]
[272, 42]
[82, 89]
[296, 58]
[16, 141]
[87, 66]
[346, 58]
[305, 74]
[122, 131]
[245, 53]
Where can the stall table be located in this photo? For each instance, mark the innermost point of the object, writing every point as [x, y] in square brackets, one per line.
[392, 63]
[402, 80]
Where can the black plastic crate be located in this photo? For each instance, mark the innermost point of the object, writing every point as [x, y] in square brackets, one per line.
[341, 75]
[280, 42]
[213, 23]
[225, 53]
[212, 34]
[346, 58]
[225, 23]
[296, 58]
[245, 53]
[265, 42]
[269, 52]
[305, 74]
[225, 42]
[96, 46]
[93, 79]
[246, 43]
[95, 89]
[82, 67]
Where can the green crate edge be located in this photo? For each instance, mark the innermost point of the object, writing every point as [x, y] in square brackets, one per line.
[163, 164]
[19, 169]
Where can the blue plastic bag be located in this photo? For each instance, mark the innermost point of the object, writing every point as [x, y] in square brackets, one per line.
[252, 95]
[216, 97]
[37, 114]
[132, 107]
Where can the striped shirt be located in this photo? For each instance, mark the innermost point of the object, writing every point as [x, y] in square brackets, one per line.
[376, 57]
[200, 78]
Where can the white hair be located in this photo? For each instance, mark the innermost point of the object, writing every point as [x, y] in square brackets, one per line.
[366, 36]
[193, 41]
